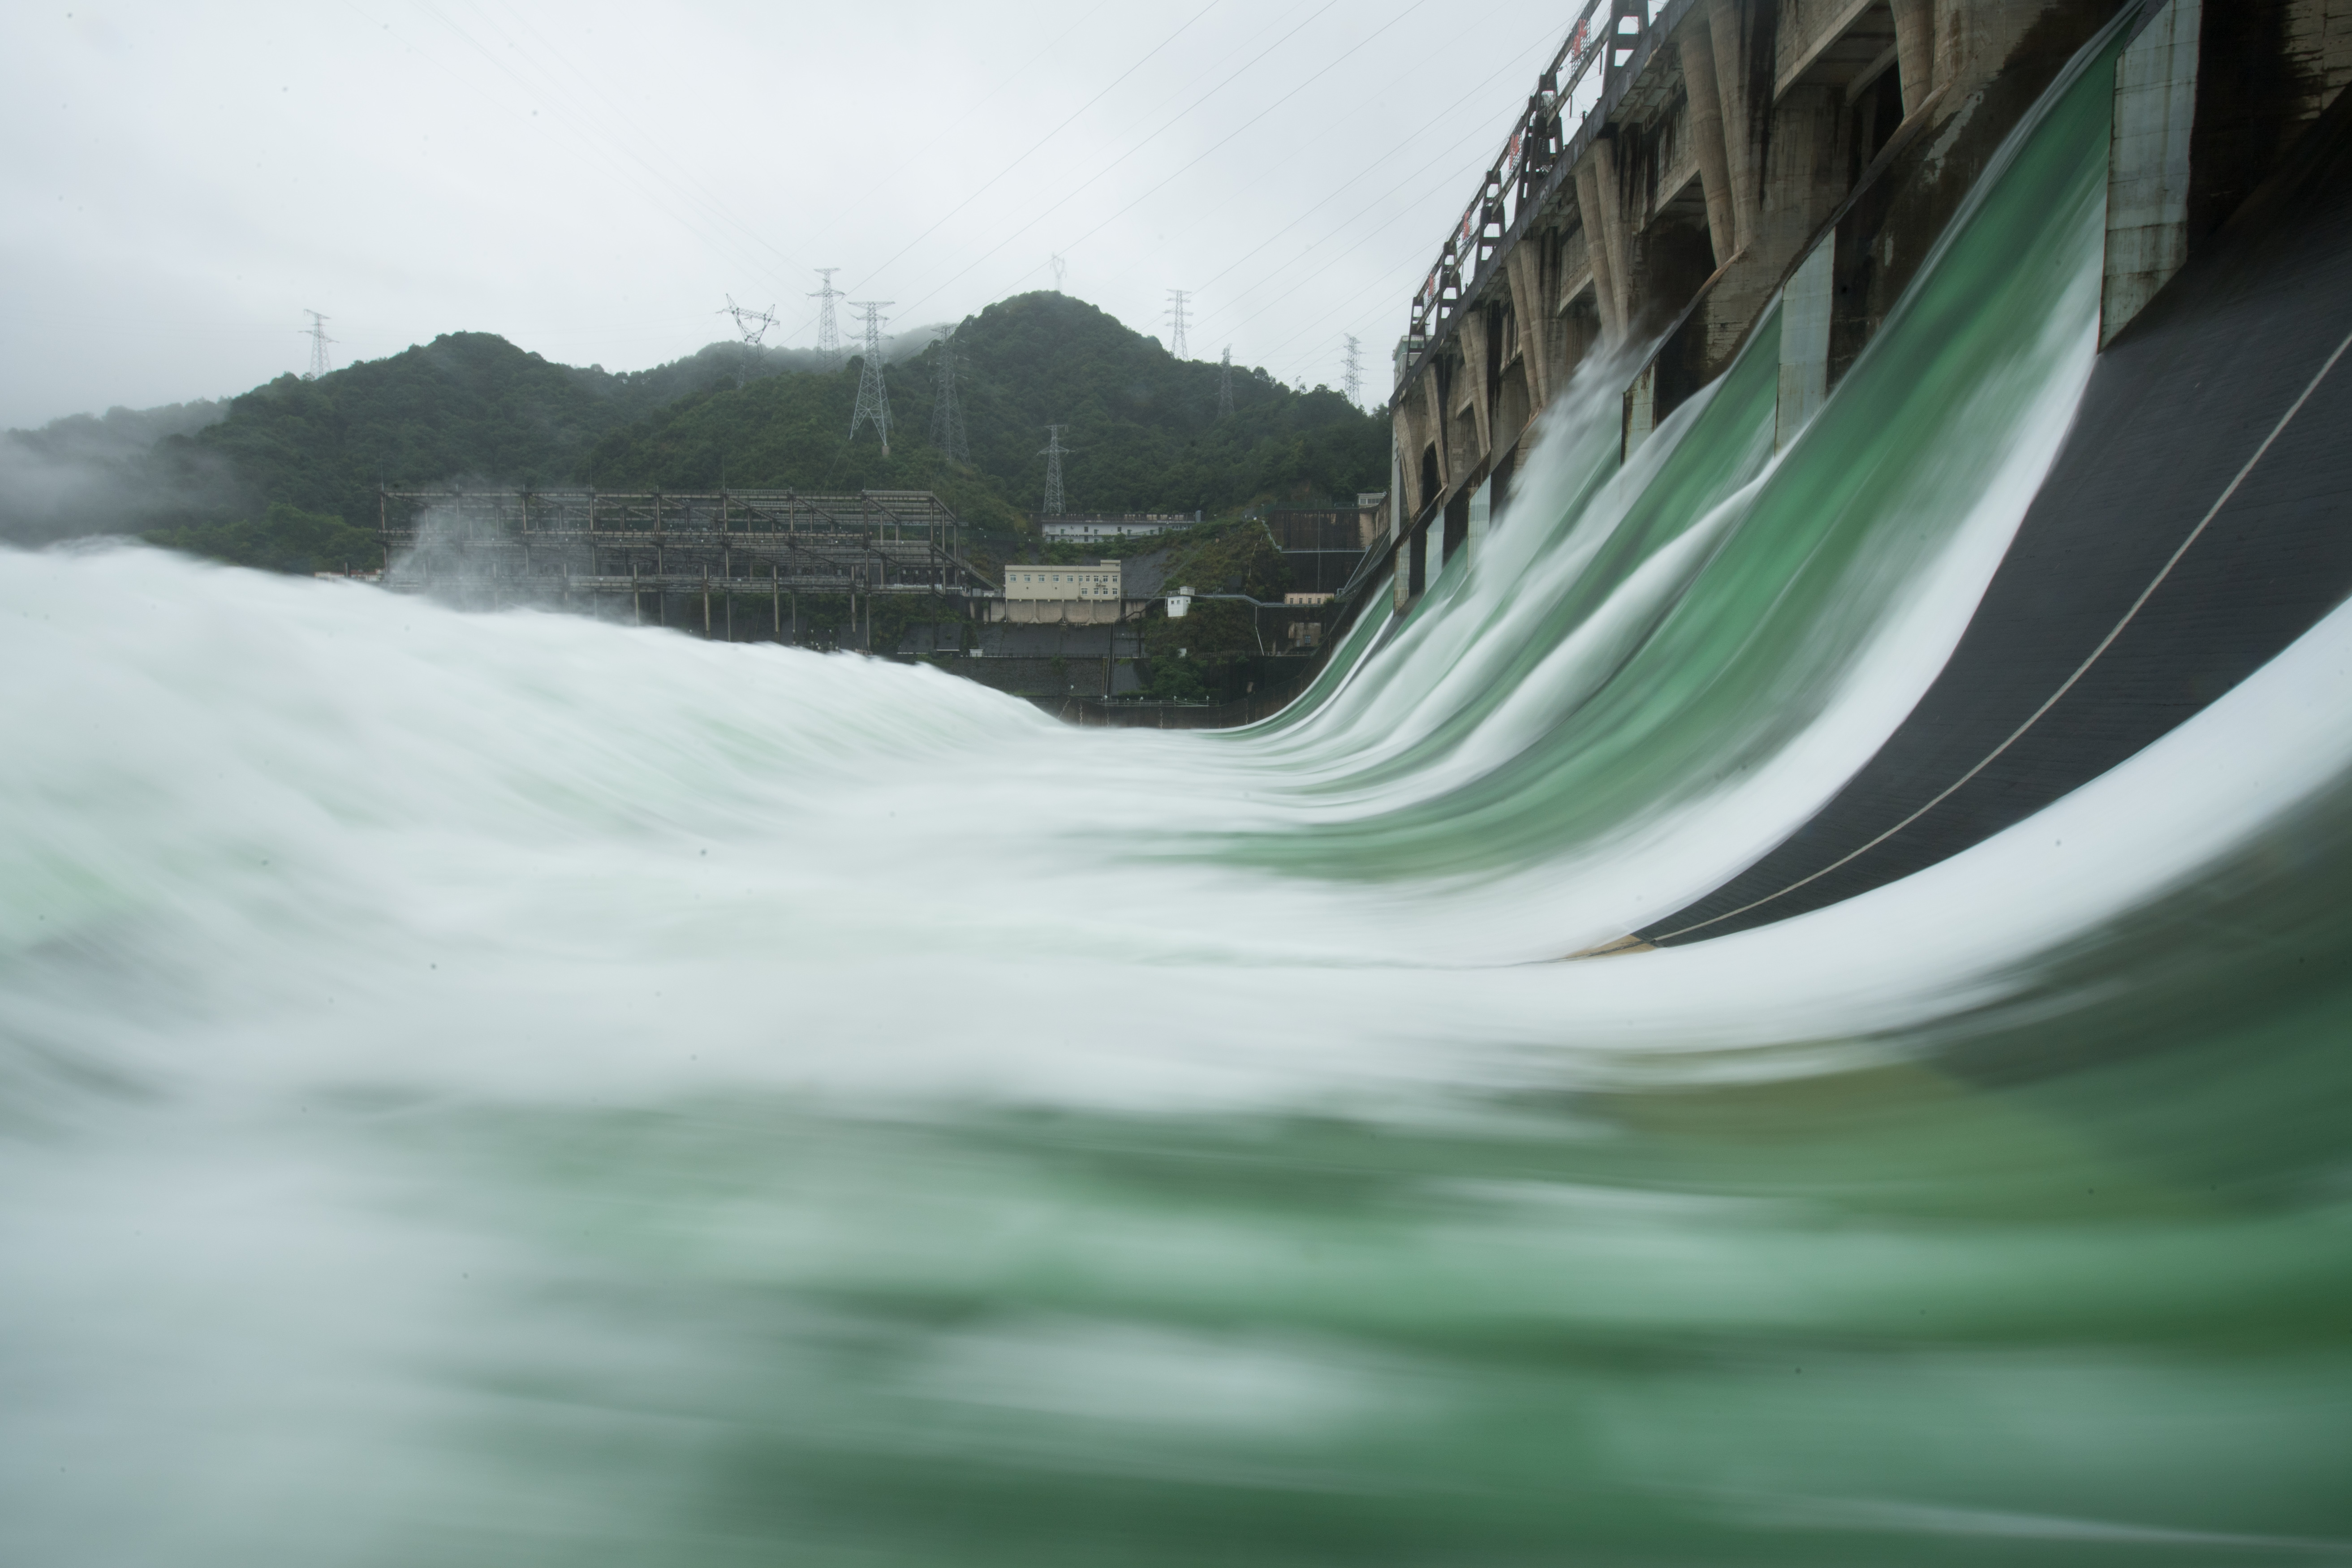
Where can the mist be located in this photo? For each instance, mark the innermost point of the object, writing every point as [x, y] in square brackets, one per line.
[122, 471]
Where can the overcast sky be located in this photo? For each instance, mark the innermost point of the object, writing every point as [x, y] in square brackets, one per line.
[593, 180]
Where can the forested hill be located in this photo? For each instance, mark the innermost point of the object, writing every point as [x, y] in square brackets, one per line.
[465, 406]
[1142, 428]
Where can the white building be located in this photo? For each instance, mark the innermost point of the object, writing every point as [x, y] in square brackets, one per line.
[1082, 530]
[1069, 595]
[1099, 580]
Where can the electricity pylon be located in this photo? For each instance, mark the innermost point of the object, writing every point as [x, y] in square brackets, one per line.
[317, 332]
[1176, 299]
[751, 326]
[1060, 266]
[873, 397]
[1353, 383]
[947, 414]
[828, 334]
[1053, 453]
[1225, 383]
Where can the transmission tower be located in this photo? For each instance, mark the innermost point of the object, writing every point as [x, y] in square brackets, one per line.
[828, 334]
[317, 332]
[1353, 382]
[1060, 266]
[1176, 299]
[751, 326]
[1053, 455]
[1225, 383]
[947, 414]
[873, 397]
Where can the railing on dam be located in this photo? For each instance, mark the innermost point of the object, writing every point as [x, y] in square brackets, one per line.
[1568, 95]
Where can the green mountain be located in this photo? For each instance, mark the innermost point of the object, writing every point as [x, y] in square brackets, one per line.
[1141, 426]
[466, 406]
[263, 483]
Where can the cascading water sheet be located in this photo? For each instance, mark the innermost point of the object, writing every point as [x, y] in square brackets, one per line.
[509, 1090]
[1655, 677]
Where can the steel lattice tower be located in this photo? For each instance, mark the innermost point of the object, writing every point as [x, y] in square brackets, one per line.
[751, 326]
[1052, 452]
[946, 414]
[317, 334]
[1353, 382]
[1060, 266]
[1225, 383]
[1176, 300]
[873, 397]
[828, 334]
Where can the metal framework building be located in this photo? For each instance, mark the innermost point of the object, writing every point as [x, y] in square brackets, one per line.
[562, 547]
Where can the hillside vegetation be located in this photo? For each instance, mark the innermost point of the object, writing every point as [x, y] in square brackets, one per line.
[1142, 428]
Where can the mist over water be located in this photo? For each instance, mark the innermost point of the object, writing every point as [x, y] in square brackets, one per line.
[507, 1088]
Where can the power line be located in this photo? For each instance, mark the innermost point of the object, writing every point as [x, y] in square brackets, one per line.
[558, 107]
[1253, 120]
[1052, 452]
[946, 414]
[1176, 345]
[1049, 135]
[828, 334]
[1148, 139]
[888, 183]
[873, 397]
[1384, 164]
[317, 332]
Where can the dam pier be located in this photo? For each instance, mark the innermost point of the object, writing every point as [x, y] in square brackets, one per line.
[1698, 182]
[1681, 168]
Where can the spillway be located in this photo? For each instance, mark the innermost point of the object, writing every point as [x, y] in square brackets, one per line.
[504, 1088]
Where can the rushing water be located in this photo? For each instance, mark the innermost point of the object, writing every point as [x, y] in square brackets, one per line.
[509, 1090]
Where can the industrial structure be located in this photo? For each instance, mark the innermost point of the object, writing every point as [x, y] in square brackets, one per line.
[828, 327]
[872, 393]
[655, 556]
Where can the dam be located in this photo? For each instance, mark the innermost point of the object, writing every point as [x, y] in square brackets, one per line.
[1692, 177]
[1780, 995]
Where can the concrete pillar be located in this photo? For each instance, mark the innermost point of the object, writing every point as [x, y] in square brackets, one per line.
[1482, 517]
[1523, 268]
[1915, 50]
[1741, 156]
[1433, 552]
[1805, 342]
[2148, 164]
[1407, 466]
[1707, 134]
[1612, 227]
[1596, 244]
[1475, 377]
[1396, 493]
[1433, 410]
